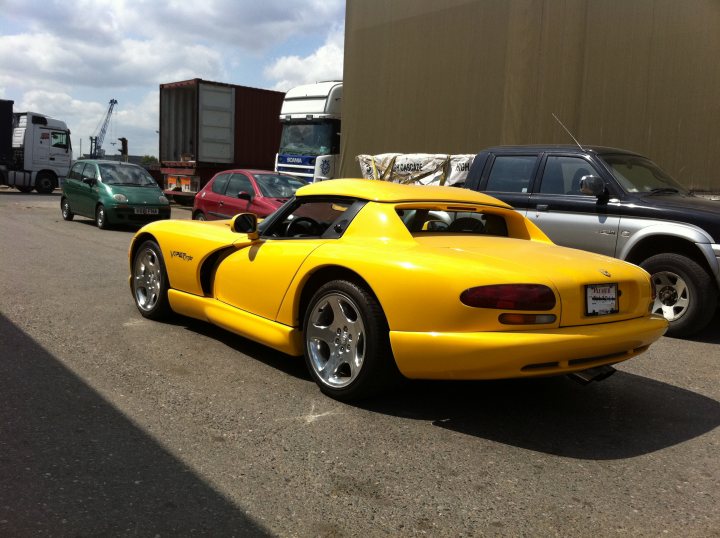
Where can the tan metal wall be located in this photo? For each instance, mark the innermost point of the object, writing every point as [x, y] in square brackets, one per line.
[454, 76]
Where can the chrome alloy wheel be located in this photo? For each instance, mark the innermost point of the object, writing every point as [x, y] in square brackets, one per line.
[335, 340]
[672, 295]
[147, 279]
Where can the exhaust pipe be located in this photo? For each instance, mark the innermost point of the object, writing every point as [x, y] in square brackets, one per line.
[598, 373]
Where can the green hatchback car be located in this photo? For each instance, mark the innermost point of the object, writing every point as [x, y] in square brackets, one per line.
[112, 192]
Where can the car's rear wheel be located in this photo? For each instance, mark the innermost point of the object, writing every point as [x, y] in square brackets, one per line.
[199, 215]
[67, 213]
[685, 293]
[101, 217]
[150, 281]
[347, 346]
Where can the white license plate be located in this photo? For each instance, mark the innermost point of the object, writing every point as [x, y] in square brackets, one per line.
[601, 299]
[146, 211]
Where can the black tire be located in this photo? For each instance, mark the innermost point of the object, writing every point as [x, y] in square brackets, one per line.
[199, 215]
[101, 217]
[686, 293]
[23, 188]
[150, 282]
[45, 183]
[347, 344]
[67, 213]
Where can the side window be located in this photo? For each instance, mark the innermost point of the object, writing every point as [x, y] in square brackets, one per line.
[90, 172]
[76, 171]
[237, 184]
[220, 183]
[310, 218]
[562, 175]
[511, 173]
[58, 139]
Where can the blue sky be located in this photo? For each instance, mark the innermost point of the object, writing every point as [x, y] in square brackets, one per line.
[68, 59]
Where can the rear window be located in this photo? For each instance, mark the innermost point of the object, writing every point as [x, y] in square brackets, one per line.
[420, 221]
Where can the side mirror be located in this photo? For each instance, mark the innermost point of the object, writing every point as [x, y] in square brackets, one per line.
[88, 180]
[245, 223]
[592, 185]
[245, 196]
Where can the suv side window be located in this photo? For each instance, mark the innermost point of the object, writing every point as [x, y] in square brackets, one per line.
[511, 173]
[220, 183]
[562, 175]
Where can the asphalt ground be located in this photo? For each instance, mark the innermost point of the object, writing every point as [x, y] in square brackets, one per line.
[113, 425]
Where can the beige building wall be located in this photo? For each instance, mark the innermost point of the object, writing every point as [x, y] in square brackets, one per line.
[455, 76]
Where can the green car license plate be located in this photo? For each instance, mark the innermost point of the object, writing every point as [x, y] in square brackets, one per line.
[146, 211]
[601, 299]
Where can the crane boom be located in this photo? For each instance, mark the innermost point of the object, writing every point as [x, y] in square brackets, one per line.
[97, 141]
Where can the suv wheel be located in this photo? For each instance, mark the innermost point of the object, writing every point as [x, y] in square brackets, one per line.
[684, 293]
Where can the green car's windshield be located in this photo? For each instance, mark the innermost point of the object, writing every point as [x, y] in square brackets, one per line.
[125, 174]
[638, 174]
[310, 138]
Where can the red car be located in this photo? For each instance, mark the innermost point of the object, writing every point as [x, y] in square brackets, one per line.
[237, 191]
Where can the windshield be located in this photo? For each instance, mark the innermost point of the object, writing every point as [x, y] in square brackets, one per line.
[275, 185]
[310, 138]
[638, 174]
[125, 174]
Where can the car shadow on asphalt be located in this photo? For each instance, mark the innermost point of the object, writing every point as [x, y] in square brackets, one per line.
[74, 465]
[623, 416]
[710, 334]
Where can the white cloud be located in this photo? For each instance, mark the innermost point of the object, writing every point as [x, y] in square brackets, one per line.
[326, 63]
[68, 61]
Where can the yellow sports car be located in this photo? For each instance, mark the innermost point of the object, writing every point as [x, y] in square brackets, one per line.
[369, 280]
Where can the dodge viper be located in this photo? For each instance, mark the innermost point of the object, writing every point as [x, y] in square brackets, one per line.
[372, 281]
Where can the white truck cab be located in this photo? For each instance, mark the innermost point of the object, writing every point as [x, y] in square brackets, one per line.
[41, 153]
[310, 140]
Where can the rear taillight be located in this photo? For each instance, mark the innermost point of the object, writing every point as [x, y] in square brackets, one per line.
[510, 297]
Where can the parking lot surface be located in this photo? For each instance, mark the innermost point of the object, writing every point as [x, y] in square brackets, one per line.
[112, 424]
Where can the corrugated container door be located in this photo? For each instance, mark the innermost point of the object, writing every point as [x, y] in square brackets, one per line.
[216, 124]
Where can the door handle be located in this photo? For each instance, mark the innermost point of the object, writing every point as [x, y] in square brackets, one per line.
[52, 158]
[221, 203]
[542, 207]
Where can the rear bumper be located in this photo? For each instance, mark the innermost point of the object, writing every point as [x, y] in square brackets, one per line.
[498, 355]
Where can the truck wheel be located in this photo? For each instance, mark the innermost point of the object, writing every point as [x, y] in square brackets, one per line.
[685, 293]
[44, 183]
[347, 346]
[67, 213]
[24, 188]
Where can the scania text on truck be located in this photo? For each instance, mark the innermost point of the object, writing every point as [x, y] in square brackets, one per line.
[310, 141]
[35, 150]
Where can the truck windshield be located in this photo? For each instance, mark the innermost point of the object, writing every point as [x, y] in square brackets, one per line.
[638, 174]
[310, 138]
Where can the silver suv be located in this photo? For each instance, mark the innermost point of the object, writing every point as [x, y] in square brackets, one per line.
[621, 204]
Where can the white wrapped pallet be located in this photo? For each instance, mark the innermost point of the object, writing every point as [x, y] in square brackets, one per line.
[422, 168]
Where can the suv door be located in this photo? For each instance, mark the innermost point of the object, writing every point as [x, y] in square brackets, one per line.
[569, 217]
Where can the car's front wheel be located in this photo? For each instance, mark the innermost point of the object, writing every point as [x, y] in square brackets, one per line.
[346, 337]
[67, 213]
[101, 217]
[199, 215]
[685, 293]
[150, 281]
